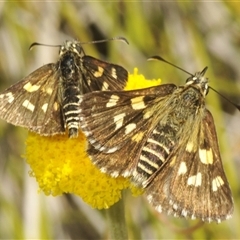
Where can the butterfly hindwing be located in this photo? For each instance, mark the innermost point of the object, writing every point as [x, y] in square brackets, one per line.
[100, 75]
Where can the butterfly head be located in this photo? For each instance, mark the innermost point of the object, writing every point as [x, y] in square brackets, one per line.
[72, 46]
[199, 81]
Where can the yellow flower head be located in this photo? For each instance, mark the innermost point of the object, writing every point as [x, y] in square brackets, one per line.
[61, 165]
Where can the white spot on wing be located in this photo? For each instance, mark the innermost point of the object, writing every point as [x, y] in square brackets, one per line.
[103, 169]
[126, 173]
[182, 168]
[118, 120]
[138, 137]
[99, 72]
[195, 180]
[175, 214]
[189, 147]
[138, 103]
[111, 150]
[147, 114]
[149, 198]
[28, 105]
[49, 91]
[100, 147]
[229, 216]
[216, 183]
[115, 174]
[9, 97]
[130, 127]
[44, 107]
[175, 206]
[87, 133]
[112, 101]
[159, 208]
[55, 106]
[184, 213]
[105, 86]
[206, 156]
[114, 73]
[31, 88]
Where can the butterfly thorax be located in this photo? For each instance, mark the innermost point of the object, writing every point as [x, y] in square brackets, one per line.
[189, 98]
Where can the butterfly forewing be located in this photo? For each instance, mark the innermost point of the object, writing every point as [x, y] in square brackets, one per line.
[111, 139]
[164, 139]
[27, 102]
[47, 101]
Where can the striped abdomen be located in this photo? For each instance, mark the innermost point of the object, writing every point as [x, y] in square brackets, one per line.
[71, 78]
[71, 109]
[154, 152]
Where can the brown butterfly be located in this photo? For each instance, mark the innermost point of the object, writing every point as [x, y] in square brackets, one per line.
[164, 139]
[47, 101]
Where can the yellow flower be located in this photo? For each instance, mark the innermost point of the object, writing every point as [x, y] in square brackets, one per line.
[138, 81]
[61, 165]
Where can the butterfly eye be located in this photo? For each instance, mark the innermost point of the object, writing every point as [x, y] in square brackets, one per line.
[190, 79]
[78, 48]
[62, 49]
[206, 89]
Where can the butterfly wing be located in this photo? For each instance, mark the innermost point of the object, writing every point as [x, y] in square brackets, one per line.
[191, 182]
[117, 124]
[100, 75]
[33, 102]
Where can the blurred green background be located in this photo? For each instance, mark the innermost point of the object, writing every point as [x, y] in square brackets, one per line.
[190, 34]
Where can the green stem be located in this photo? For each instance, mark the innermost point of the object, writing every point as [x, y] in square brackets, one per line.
[116, 221]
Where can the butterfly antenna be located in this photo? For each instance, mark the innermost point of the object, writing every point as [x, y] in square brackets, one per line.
[107, 40]
[96, 41]
[163, 60]
[41, 44]
[228, 100]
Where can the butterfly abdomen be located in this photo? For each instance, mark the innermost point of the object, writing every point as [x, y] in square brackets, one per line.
[70, 92]
[154, 153]
[71, 109]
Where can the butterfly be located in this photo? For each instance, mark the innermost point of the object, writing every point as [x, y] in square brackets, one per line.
[47, 101]
[164, 139]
